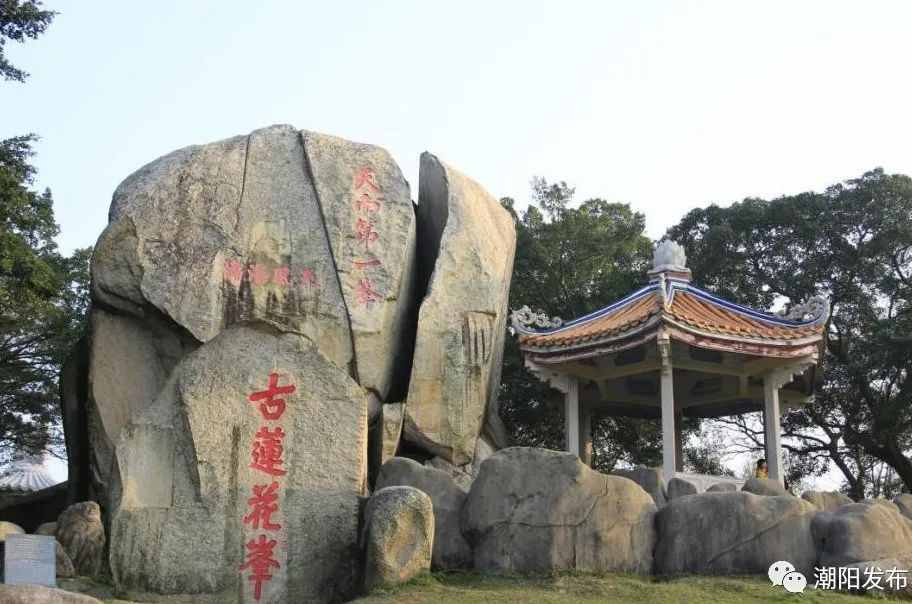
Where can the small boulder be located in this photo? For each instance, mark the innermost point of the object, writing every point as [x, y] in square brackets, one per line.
[65, 568]
[9, 528]
[765, 486]
[398, 536]
[678, 487]
[47, 528]
[904, 503]
[723, 487]
[827, 501]
[451, 550]
[35, 594]
[734, 533]
[536, 510]
[650, 479]
[881, 501]
[82, 535]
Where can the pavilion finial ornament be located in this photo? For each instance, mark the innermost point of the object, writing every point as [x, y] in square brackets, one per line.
[524, 319]
[668, 255]
[816, 309]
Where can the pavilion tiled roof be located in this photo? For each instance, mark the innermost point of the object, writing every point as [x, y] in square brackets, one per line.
[683, 305]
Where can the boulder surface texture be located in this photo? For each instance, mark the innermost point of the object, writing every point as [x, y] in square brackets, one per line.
[451, 550]
[535, 510]
[82, 535]
[399, 536]
[734, 533]
[35, 594]
[254, 300]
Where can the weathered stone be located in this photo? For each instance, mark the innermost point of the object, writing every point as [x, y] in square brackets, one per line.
[861, 532]
[185, 466]
[889, 580]
[734, 533]
[650, 479]
[466, 243]
[827, 501]
[459, 474]
[225, 233]
[765, 486]
[451, 550]
[536, 510]
[35, 594]
[9, 528]
[904, 503]
[370, 221]
[398, 536]
[47, 528]
[63, 562]
[391, 430]
[678, 487]
[881, 501]
[80, 532]
[722, 487]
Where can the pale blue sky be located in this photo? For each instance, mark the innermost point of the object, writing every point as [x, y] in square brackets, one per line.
[665, 105]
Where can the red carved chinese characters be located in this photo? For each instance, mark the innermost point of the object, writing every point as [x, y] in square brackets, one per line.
[368, 201]
[234, 272]
[260, 561]
[272, 407]
[262, 506]
[308, 277]
[267, 451]
[280, 275]
[259, 274]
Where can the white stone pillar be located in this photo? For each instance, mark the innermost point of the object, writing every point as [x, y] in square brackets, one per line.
[668, 409]
[572, 415]
[771, 426]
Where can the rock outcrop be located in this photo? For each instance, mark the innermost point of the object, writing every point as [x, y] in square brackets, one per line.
[904, 503]
[398, 536]
[451, 550]
[62, 562]
[9, 528]
[46, 528]
[863, 532]
[80, 532]
[722, 487]
[535, 510]
[734, 533]
[466, 242]
[826, 501]
[650, 479]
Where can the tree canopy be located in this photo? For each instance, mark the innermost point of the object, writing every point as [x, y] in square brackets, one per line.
[19, 21]
[852, 244]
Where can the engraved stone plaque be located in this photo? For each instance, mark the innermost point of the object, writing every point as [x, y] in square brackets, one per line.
[30, 560]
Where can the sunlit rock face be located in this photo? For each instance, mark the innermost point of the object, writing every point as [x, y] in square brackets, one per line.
[255, 306]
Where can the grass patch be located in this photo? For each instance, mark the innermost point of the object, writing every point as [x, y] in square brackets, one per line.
[575, 588]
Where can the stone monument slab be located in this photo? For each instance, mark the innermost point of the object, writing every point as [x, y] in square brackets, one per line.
[30, 560]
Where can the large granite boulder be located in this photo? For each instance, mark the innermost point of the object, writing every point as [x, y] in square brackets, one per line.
[47, 528]
[9, 528]
[82, 535]
[863, 532]
[35, 594]
[766, 487]
[297, 231]
[679, 487]
[451, 550]
[827, 501]
[398, 536]
[651, 479]
[722, 487]
[535, 510]
[466, 245]
[62, 562]
[734, 533]
[258, 439]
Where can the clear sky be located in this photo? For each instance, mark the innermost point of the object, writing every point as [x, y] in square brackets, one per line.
[665, 105]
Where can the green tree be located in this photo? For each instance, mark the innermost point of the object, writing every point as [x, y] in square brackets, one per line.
[43, 300]
[18, 21]
[571, 261]
[852, 244]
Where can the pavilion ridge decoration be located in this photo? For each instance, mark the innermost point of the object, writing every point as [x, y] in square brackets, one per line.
[671, 349]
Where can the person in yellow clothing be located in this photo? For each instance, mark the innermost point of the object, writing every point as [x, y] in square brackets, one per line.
[762, 471]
